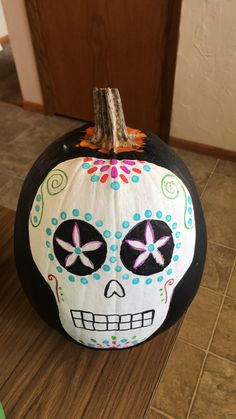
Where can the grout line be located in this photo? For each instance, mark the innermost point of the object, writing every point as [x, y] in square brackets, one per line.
[191, 344]
[230, 276]
[201, 194]
[212, 291]
[209, 343]
[229, 297]
[217, 163]
[222, 358]
[163, 413]
[156, 387]
[204, 350]
[222, 245]
[221, 294]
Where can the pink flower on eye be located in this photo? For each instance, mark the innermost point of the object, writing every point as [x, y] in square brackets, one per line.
[76, 250]
[150, 247]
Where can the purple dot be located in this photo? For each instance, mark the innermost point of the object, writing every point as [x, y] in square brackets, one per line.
[99, 161]
[130, 162]
[114, 172]
[113, 161]
[104, 168]
[125, 169]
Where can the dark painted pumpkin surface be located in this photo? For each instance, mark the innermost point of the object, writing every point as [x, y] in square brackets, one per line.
[110, 238]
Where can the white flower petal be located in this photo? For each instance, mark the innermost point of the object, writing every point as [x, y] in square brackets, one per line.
[149, 234]
[65, 245]
[94, 245]
[76, 235]
[70, 259]
[141, 259]
[136, 244]
[86, 261]
[162, 241]
[159, 258]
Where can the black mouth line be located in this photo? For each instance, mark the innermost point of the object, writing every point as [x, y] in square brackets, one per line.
[108, 322]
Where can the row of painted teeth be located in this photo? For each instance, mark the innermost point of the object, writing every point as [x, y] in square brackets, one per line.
[89, 321]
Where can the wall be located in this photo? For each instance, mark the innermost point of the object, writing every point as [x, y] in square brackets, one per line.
[3, 25]
[20, 38]
[204, 107]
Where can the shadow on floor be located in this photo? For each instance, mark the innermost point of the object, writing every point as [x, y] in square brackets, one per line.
[9, 85]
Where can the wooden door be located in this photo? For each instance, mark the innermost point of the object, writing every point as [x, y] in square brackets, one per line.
[129, 44]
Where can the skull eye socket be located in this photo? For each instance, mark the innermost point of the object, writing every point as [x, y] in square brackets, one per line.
[79, 247]
[148, 247]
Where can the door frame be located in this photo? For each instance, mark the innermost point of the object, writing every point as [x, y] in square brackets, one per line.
[168, 75]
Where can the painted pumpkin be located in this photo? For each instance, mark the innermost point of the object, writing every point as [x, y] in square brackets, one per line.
[110, 238]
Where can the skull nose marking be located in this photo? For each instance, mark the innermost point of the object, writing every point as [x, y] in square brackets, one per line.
[114, 287]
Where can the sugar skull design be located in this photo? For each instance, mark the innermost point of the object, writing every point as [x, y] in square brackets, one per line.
[112, 258]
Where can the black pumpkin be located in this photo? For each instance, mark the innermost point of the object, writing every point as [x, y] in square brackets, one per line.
[110, 238]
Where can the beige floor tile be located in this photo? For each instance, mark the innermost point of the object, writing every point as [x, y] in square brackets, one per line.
[155, 414]
[216, 394]
[52, 127]
[5, 109]
[218, 267]
[200, 318]
[17, 163]
[9, 193]
[226, 167]
[199, 165]
[46, 131]
[36, 137]
[11, 113]
[232, 285]
[11, 129]
[219, 204]
[176, 388]
[32, 143]
[4, 178]
[224, 340]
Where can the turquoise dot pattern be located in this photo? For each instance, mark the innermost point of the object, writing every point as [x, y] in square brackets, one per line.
[63, 215]
[125, 224]
[88, 216]
[148, 213]
[84, 281]
[75, 212]
[107, 233]
[115, 186]
[114, 247]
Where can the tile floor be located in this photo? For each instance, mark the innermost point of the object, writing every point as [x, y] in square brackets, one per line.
[199, 381]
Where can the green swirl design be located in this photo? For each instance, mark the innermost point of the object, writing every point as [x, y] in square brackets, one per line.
[53, 184]
[171, 188]
[56, 181]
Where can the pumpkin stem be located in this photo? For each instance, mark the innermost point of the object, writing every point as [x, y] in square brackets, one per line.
[110, 127]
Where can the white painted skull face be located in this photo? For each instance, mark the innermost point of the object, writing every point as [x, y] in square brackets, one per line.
[112, 238]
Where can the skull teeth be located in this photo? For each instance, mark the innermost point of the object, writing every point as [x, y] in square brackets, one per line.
[108, 322]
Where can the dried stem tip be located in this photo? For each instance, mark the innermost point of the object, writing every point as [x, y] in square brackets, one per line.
[110, 127]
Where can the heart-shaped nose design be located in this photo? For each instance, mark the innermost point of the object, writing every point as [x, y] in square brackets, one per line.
[114, 287]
